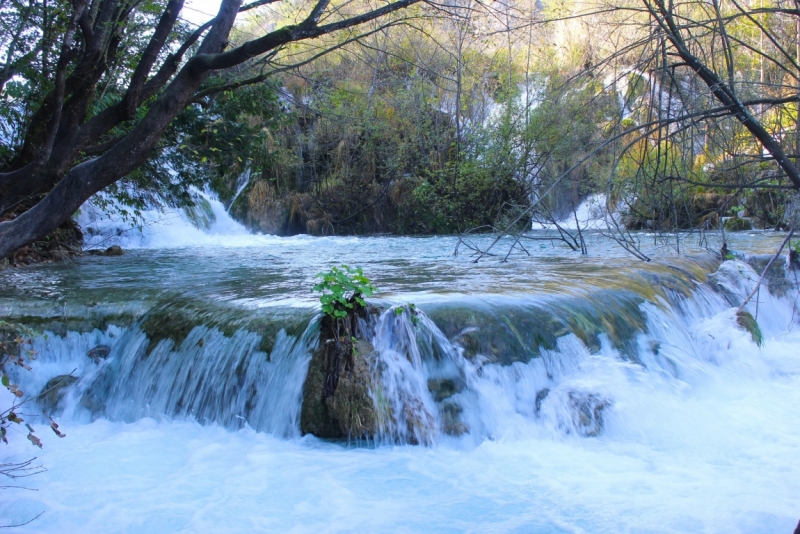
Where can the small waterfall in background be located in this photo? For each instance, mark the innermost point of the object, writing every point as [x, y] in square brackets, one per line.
[207, 222]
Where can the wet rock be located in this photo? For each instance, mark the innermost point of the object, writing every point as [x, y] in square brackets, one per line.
[468, 340]
[502, 335]
[64, 242]
[588, 412]
[541, 395]
[100, 352]
[748, 323]
[777, 280]
[54, 391]
[444, 388]
[451, 419]
[794, 259]
[348, 410]
[114, 250]
[351, 405]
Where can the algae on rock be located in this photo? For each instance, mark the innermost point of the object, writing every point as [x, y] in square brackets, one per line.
[337, 394]
[748, 322]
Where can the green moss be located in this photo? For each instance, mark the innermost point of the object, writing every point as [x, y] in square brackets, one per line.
[175, 319]
[746, 321]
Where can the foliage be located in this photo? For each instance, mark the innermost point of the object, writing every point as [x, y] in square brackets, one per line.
[411, 308]
[15, 340]
[342, 288]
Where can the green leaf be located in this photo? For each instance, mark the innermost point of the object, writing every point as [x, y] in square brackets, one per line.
[6, 381]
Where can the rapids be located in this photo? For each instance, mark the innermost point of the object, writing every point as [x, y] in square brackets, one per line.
[556, 393]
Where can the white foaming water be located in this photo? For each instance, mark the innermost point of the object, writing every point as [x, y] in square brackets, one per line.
[161, 228]
[695, 429]
[590, 215]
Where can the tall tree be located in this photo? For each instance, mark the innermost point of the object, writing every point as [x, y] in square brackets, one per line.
[77, 142]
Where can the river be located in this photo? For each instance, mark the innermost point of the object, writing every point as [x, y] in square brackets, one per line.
[589, 393]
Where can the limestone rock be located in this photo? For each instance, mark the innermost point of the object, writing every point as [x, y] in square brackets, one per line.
[748, 322]
[100, 352]
[53, 392]
[348, 410]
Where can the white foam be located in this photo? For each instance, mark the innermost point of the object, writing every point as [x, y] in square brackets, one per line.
[700, 436]
[160, 228]
[591, 214]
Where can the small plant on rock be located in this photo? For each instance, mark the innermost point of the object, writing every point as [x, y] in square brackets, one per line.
[412, 310]
[343, 291]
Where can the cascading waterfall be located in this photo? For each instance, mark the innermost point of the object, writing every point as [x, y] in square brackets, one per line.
[512, 367]
[549, 395]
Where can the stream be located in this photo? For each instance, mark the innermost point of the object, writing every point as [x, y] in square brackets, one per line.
[559, 392]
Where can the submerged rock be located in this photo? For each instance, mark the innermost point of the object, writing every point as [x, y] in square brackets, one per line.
[100, 352]
[778, 280]
[451, 419]
[541, 395]
[588, 412]
[499, 335]
[53, 392]
[444, 388]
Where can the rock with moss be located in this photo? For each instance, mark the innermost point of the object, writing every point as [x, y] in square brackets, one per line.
[748, 323]
[54, 391]
[351, 405]
[337, 398]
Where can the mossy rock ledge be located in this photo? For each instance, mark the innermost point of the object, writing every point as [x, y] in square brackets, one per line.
[54, 392]
[337, 399]
[748, 323]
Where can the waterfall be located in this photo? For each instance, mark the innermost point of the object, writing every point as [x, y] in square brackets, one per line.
[207, 223]
[476, 370]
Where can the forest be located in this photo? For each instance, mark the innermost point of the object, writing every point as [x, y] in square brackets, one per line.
[399, 266]
[406, 117]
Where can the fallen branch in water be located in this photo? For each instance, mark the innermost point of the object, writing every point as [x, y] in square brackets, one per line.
[758, 284]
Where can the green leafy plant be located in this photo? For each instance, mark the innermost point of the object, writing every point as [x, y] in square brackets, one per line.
[736, 209]
[341, 287]
[412, 310]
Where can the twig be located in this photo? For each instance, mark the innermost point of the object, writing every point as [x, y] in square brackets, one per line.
[25, 523]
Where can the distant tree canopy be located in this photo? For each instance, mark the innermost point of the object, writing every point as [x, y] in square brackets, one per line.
[352, 117]
[92, 88]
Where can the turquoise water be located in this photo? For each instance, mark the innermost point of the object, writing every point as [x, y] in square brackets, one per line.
[699, 429]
